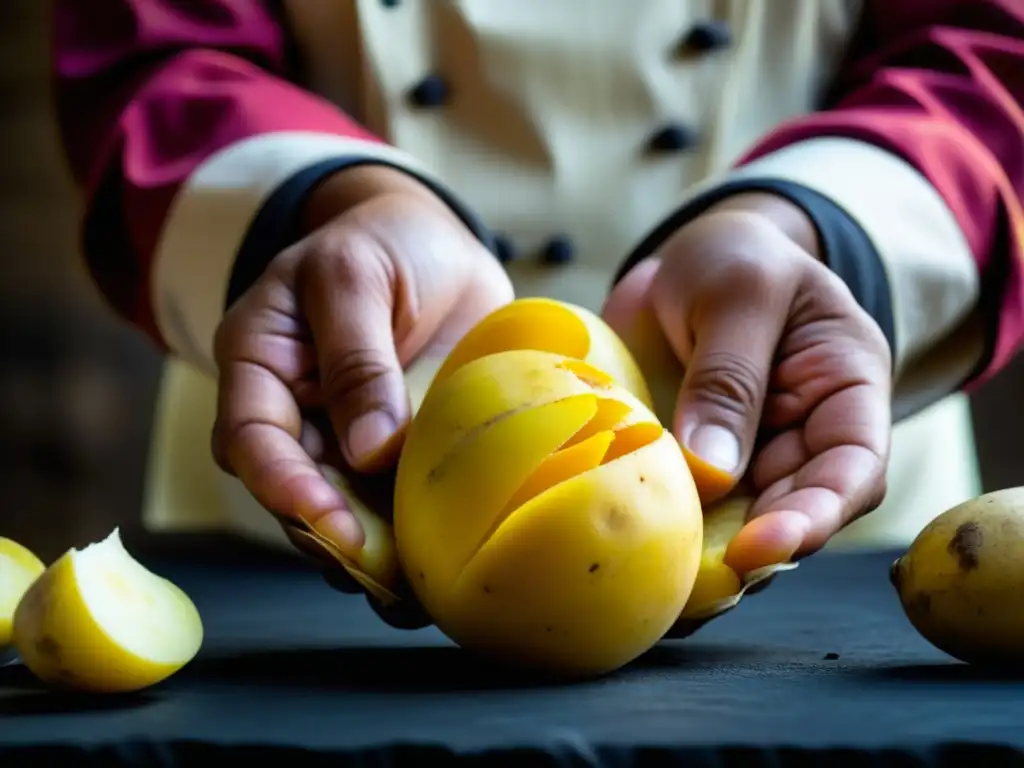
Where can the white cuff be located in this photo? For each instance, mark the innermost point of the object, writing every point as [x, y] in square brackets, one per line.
[932, 274]
[209, 218]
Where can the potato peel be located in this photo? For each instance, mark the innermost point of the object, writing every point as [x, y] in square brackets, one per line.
[692, 619]
[384, 595]
[100, 621]
[309, 540]
[722, 523]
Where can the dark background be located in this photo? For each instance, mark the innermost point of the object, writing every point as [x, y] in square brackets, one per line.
[77, 387]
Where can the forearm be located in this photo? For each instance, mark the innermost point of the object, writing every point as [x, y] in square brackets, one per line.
[158, 112]
[196, 153]
[912, 179]
[925, 131]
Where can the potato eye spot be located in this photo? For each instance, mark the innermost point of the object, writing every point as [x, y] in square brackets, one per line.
[615, 520]
[47, 646]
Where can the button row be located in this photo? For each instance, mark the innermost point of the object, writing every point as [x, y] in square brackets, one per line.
[707, 37]
[674, 137]
[433, 91]
[558, 250]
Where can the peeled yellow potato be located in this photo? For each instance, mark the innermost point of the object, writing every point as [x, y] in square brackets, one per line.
[542, 326]
[657, 363]
[539, 324]
[547, 325]
[97, 620]
[542, 514]
[961, 581]
[18, 569]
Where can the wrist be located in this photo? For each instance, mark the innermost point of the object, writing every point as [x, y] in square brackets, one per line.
[785, 215]
[347, 188]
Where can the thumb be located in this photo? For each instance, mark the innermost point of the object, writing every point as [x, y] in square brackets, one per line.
[726, 337]
[348, 302]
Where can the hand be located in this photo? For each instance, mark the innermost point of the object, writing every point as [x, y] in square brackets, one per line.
[787, 380]
[311, 357]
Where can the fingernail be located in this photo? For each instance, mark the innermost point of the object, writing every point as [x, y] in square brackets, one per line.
[342, 530]
[716, 445]
[368, 434]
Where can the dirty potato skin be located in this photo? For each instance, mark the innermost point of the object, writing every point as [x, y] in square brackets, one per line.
[961, 582]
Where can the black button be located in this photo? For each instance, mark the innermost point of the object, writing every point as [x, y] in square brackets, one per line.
[431, 91]
[708, 36]
[558, 251]
[673, 138]
[390, 3]
[504, 249]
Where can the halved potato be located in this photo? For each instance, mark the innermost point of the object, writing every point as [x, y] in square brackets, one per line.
[18, 569]
[98, 620]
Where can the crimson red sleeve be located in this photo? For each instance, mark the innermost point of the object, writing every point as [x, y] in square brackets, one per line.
[940, 85]
[147, 91]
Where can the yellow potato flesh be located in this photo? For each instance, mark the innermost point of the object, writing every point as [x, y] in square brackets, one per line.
[98, 620]
[596, 360]
[460, 495]
[543, 516]
[590, 574]
[567, 462]
[716, 581]
[525, 324]
[546, 325]
[18, 569]
[654, 360]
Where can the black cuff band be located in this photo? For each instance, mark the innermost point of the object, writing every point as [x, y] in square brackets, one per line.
[277, 225]
[847, 250]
